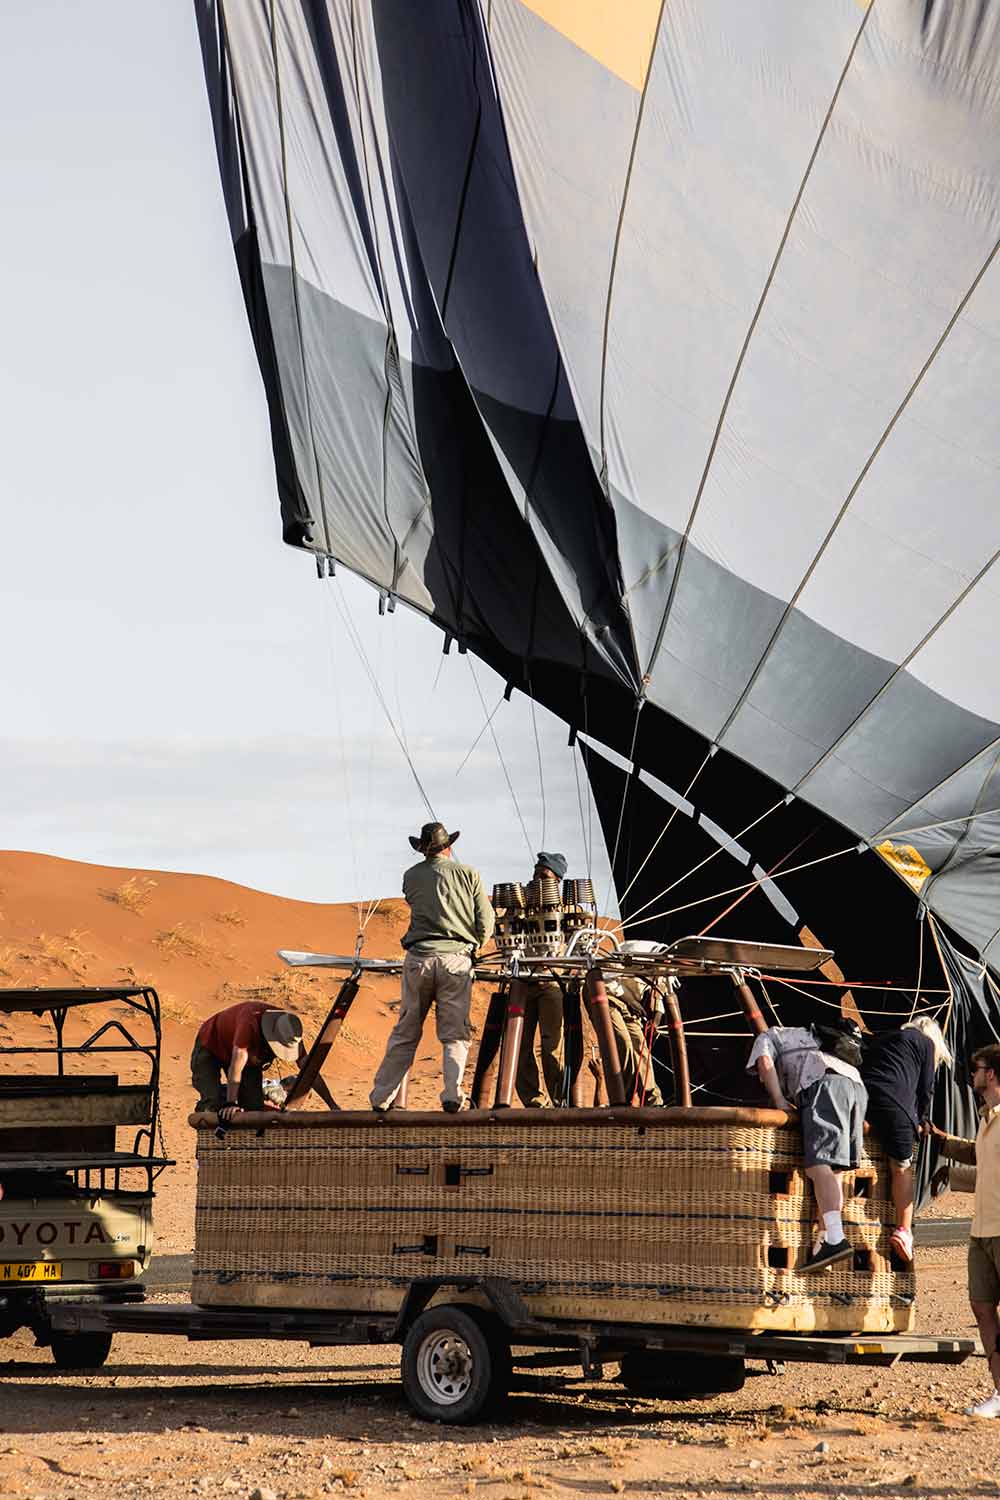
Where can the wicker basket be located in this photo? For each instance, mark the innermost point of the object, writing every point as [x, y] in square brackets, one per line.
[629, 1216]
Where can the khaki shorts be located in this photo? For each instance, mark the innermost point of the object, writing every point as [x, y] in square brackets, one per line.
[984, 1270]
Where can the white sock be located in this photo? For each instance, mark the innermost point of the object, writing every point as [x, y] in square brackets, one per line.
[833, 1227]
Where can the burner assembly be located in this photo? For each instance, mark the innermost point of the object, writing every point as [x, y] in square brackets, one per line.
[540, 921]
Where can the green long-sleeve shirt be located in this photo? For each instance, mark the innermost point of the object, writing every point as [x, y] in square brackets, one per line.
[449, 910]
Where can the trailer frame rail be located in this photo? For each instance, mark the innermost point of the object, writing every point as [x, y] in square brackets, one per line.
[588, 1341]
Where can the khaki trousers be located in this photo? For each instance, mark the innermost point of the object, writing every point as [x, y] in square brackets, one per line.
[443, 980]
[628, 1031]
[543, 1011]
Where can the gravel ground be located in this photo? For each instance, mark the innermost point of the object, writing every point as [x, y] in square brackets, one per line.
[280, 1421]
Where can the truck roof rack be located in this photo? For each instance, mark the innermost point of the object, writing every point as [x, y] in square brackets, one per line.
[43, 998]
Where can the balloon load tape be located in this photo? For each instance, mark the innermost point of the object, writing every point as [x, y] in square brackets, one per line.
[538, 920]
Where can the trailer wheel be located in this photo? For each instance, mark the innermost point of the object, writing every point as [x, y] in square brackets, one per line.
[687, 1377]
[453, 1364]
[80, 1351]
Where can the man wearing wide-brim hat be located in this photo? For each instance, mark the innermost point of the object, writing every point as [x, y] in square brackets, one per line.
[233, 1048]
[450, 919]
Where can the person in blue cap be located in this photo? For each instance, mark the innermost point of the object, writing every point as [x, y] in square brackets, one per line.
[543, 1011]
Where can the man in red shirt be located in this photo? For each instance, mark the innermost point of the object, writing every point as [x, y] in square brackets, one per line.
[233, 1048]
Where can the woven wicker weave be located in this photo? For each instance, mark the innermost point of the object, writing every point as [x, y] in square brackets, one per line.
[621, 1222]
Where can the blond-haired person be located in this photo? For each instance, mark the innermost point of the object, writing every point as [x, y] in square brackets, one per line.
[898, 1071]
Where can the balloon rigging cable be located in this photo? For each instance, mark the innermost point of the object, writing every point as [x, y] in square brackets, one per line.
[721, 848]
[359, 649]
[735, 889]
[662, 833]
[503, 763]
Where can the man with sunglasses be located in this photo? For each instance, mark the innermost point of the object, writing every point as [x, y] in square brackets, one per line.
[984, 1242]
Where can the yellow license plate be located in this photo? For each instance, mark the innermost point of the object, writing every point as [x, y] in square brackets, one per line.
[31, 1270]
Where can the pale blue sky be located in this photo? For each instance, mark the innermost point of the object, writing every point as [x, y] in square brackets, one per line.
[178, 689]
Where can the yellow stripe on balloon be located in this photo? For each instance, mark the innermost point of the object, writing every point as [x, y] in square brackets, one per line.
[616, 33]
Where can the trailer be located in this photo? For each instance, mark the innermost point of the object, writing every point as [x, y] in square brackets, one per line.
[459, 1358]
[668, 1243]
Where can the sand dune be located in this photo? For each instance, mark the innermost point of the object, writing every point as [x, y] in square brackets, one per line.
[189, 935]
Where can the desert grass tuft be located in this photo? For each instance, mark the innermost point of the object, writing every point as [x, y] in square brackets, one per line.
[63, 952]
[174, 1008]
[180, 942]
[288, 989]
[231, 918]
[10, 958]
[133, 895]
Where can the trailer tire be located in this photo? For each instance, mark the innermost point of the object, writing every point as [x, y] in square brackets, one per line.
[80, 1351]
[452, 1363]
[689, 1377]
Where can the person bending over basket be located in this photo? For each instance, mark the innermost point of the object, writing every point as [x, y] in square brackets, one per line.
[233, 1048]
[898, 1072]
[826, 1089]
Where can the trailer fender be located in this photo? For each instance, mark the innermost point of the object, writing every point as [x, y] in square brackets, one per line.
[501, 1295]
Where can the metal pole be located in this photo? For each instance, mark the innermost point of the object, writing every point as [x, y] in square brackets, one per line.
[678, 1047]
[59, 1017]
[573, 1042]
[511, 1048]
[489, 1050]
[596, 999]
[320, 1049]
[751, 1009]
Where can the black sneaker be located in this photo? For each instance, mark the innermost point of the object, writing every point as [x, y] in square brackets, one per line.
[827, 1255]
[452, 1106]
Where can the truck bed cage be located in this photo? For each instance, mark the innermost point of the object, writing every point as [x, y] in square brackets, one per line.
[45, 1161]
[111, 1038]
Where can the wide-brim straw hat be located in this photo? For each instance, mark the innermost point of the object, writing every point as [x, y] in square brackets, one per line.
[282, 1032]
[432, 838]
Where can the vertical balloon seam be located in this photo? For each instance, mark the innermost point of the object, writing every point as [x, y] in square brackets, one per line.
[626, 186]
[613, 569]
[293, 271]
[261, 330]
[901, 667]
[389, 352]
[890, 827]
[963, 834]
[681, 548]
[848, 500]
